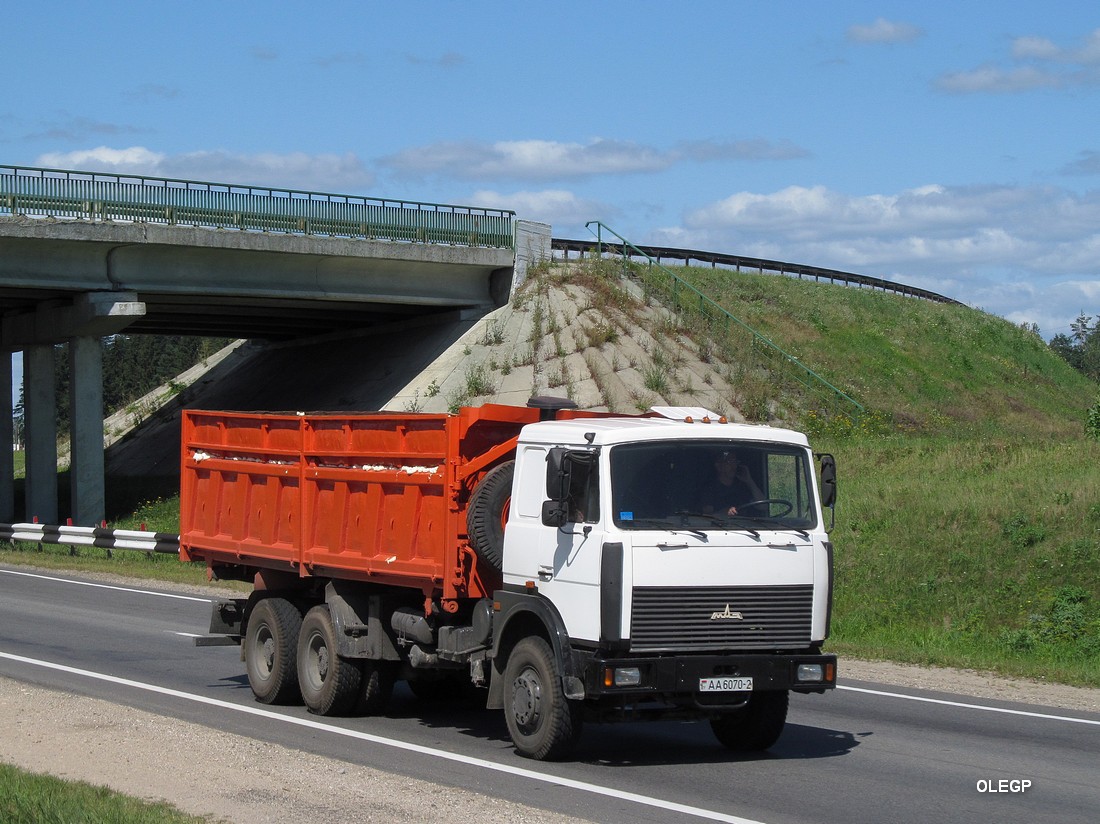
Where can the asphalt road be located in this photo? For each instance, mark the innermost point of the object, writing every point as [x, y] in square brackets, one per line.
[864, 753]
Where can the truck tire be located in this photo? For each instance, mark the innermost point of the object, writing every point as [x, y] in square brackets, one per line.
[755, 727]
[488, 512]
[544, 725]
[329, 684]
[378, 678]
[270, 644]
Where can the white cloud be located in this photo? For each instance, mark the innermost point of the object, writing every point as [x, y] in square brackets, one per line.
[527, 159]
[1039, 63]
[557, 207]
[539, 160]
[134, 160]
[993, 79]
[928, 212]
[970, 243]
[296, 170]
[1040, 48]
[884, 31]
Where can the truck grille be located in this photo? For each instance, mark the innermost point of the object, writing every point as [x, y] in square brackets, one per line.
[706, 618]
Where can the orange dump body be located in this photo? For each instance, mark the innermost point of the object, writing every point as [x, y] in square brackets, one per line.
[375, 497]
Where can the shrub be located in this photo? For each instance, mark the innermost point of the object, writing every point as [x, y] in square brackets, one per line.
[1092, 421]
[1021, 532]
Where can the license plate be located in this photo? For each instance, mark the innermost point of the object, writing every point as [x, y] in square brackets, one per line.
[725, 684]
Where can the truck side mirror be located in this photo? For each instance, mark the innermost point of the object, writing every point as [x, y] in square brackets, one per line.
[828, 480]
[554, 514]
[557, 474]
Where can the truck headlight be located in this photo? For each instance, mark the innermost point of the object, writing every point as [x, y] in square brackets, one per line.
[622, 677]
[814, 673]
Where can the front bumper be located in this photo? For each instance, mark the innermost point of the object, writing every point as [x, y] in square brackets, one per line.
[675, 678]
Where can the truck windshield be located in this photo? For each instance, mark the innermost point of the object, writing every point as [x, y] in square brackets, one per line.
[703, 485]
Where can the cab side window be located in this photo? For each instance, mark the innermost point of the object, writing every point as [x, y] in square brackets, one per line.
[584, 491]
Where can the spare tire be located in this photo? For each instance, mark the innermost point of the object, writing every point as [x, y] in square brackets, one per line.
[488, 512]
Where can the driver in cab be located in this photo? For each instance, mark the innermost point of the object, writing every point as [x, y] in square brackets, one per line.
[733, 486]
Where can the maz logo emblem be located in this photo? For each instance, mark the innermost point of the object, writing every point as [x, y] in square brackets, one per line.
[726, 614]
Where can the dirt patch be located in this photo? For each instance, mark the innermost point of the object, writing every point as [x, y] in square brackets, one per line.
[973, 683]
[205, 771]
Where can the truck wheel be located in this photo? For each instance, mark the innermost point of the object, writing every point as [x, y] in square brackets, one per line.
[269, 651]
[757, 726]
[378, 678]
[488, 512]
[330, 684]
[544, 725]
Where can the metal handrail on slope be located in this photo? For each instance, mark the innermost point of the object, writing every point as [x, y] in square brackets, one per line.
[762, 265]
[706, 303]
[93, 196]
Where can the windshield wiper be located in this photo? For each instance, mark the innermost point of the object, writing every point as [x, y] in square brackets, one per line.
[669, 524]
[706, 516]
[736, 525]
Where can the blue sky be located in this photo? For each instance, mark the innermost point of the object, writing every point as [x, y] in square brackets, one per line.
[950, 146]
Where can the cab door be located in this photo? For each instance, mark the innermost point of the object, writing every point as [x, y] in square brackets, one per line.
[563, 562]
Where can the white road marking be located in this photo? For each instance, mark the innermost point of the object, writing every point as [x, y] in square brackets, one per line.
[105, 586]
[583, 786]
[982, 707]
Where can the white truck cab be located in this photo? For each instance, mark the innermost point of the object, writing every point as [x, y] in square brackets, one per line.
[686, 559]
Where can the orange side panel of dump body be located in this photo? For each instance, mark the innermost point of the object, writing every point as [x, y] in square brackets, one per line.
[369, 496]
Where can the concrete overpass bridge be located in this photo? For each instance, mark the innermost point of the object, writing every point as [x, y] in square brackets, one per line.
[84, 255]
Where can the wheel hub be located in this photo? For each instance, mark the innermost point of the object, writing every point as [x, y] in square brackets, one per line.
[268, 654]
[526, 699]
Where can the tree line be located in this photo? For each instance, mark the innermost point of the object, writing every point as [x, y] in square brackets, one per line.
[1081, 348]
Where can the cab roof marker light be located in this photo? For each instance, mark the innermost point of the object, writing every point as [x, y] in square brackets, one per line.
[682, 413]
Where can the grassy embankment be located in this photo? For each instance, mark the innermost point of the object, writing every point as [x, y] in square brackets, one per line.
[968, 528]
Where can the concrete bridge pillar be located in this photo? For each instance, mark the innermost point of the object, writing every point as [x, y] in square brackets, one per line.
[90, 317]
[7, 436]
[86, 431]
[40, 431]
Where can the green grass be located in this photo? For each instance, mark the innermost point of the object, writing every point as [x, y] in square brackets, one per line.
[926, 367]
[27, 798]
[975, 553]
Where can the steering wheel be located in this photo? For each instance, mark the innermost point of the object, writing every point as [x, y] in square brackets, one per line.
[769, 501]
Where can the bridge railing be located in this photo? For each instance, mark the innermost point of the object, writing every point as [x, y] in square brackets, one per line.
[93, 196]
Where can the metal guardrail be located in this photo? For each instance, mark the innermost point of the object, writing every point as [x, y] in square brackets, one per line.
[93, 196]
[761, 265]
[100, 537]
[683, 295]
